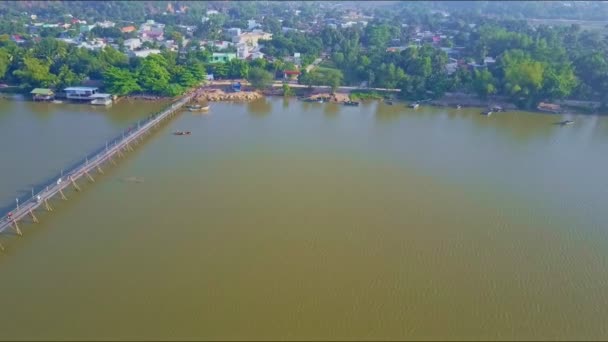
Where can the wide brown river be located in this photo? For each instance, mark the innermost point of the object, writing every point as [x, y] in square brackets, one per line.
[286, 220]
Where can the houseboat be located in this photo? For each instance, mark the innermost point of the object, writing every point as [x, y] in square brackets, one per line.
[89, 94]
[101, 99]
[42, 94]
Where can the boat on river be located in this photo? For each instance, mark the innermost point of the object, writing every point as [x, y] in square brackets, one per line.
[566, 122]
[487, 113]
[182, 133]
[351, 103]
[197, 108]
[414, 105]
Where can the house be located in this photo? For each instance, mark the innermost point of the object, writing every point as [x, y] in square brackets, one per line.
[222, 57]
[80, 93]
[395, 48]
[170, 44]
[95, 44]
[144, 53]
[255, 55]
[242, 51]
[291, 75]
[151, 30]
[451, 68]
[252, 38]
[233, 32]
[218, 44]
[86, 28]
[106, 24]
[128, 29]
[251, 24]
[489, 60]
[132, 44]
[42, 94]
[17, 39]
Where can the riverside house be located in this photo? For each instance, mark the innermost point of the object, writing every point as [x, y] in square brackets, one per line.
[42, 94]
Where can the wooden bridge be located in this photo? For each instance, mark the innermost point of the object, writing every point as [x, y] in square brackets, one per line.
[85, 168]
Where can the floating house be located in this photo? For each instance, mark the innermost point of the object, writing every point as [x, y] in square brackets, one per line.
[42, 94]
[90, 94]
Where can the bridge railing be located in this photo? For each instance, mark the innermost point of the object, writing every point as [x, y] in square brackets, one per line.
[79, 164]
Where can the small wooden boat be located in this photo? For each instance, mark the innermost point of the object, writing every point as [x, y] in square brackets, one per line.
[390, 103]
[196, 108]
[458, 106]
[351, 103]
[182, 133]
[487, 113]
[566, 122]
[414, 105]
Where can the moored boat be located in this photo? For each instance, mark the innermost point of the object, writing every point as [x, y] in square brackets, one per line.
[414, 105]
[566, 122]
[182, 133]
[351, 103]
[487, 113]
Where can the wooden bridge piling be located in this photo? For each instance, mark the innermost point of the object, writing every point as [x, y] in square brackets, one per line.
[34, 218]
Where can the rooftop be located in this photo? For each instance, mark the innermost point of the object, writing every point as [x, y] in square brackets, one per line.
[80, 88]
[42, 91]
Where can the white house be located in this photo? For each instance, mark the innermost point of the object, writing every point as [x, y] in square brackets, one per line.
[251, 24]
[233, 32]
[106, 24]
[242, 51]
[144, 53]
[132, 44]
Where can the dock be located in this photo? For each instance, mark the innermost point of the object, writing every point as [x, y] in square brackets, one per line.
[86, 168]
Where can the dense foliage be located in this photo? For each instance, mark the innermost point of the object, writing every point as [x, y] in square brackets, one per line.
[528, 63]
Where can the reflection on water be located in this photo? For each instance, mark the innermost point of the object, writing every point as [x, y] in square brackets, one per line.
[331, 109]
[315, 223]
[260, 107]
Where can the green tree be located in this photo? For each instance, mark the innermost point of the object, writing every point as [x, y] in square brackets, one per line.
[120, 81]
[484, 83]
[153, 75]
[5, 61]
[260, 78]
[287, 91]
[35, 73]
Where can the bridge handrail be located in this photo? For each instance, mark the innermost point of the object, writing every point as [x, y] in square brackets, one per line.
[82, 163]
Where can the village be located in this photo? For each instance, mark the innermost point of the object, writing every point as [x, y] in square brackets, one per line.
[277, 39]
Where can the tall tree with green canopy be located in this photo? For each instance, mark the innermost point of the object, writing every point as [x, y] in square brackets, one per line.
[484, 83]
[259, 78]
[35, 73]
[5, 61]
[153, 75]
[120, 81]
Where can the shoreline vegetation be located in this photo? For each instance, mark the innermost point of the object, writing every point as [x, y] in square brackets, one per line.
[220, 92]
[453, 57]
